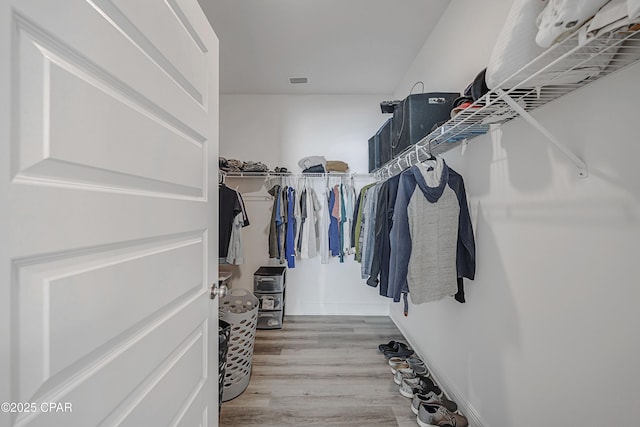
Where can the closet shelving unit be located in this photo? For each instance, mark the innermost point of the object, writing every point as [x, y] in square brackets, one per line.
[568, 65]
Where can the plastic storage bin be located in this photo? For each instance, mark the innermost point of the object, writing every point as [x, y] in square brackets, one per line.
[268, 302]
[270, 319]
[239, 308]
[269, 279]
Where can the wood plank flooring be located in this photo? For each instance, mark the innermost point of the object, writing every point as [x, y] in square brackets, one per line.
[321, 371]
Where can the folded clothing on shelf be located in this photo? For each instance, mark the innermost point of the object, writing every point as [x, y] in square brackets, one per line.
[311, 161]
[233, 165]
[315, 169]
[337, 166]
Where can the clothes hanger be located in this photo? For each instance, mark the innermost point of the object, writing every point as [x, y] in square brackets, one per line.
[431, 157]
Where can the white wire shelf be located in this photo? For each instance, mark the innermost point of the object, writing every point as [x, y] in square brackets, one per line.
[263, 175]
[563, 68]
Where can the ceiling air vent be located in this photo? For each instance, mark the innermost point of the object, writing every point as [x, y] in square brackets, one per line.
[298, 80]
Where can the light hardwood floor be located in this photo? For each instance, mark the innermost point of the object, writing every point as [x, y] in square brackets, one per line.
[321, 371]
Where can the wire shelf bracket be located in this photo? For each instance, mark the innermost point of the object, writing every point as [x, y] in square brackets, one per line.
[583, 170]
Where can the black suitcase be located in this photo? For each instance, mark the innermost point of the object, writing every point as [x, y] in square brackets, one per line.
[416, 115]
[380, 147]
[374, 153]
[385, 141]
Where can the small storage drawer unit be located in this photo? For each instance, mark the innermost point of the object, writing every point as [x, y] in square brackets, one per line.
[269, 279]
[270, 319]
[269, 288]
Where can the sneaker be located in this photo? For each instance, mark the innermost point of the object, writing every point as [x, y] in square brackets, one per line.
[402, 351]
[431, 399]
[391, 345]
[438, 416]
[419, 368]
[404, 375]
[409, 388]
[400, 366]
[393, 361]
[413, 362]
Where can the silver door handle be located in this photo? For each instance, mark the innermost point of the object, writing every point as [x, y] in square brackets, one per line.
[218, 291]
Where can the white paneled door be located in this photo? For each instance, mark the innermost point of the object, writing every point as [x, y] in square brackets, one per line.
[108, 222]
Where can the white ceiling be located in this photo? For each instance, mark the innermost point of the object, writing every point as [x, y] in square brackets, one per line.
[342, 46]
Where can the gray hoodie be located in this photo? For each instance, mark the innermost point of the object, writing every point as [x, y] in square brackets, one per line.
[432, 242]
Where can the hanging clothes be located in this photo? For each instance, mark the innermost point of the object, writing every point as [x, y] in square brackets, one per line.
[368, 229]
[229, 207]
[348, 197]
[359, 223]
[324, 225]
[312, 222]
[297, 226]
[309, 227]
[432, 243]
[354, 223]
[301, 227]
[382, 244]
[274, 241]
[290, 249]
[245, 216]
[284, 220]
[334, 233]
[342, 220]
[235, 254]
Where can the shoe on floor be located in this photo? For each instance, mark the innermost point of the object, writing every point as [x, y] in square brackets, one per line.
[425, 385]
[405, 375]
[438, 416]
[402, 351]
[431, 399]
[395, 367]
[419, 368]
[391, 345]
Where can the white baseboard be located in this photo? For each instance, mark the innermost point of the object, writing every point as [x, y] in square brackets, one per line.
[444, 382]
[329, 309]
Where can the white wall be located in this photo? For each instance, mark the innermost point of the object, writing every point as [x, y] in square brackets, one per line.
[548, 335]
[279, 130]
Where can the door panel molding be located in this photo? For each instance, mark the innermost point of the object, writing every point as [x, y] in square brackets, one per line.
[89, 272]
[194, 85]
[40, 155]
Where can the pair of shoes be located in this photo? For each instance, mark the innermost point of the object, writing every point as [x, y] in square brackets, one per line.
[418, 366]
[409, 388]
[439, 416]
[407, 374]
[399, 366]
[402, 350]
[395, 361]
[431, 399]
[391, 345]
